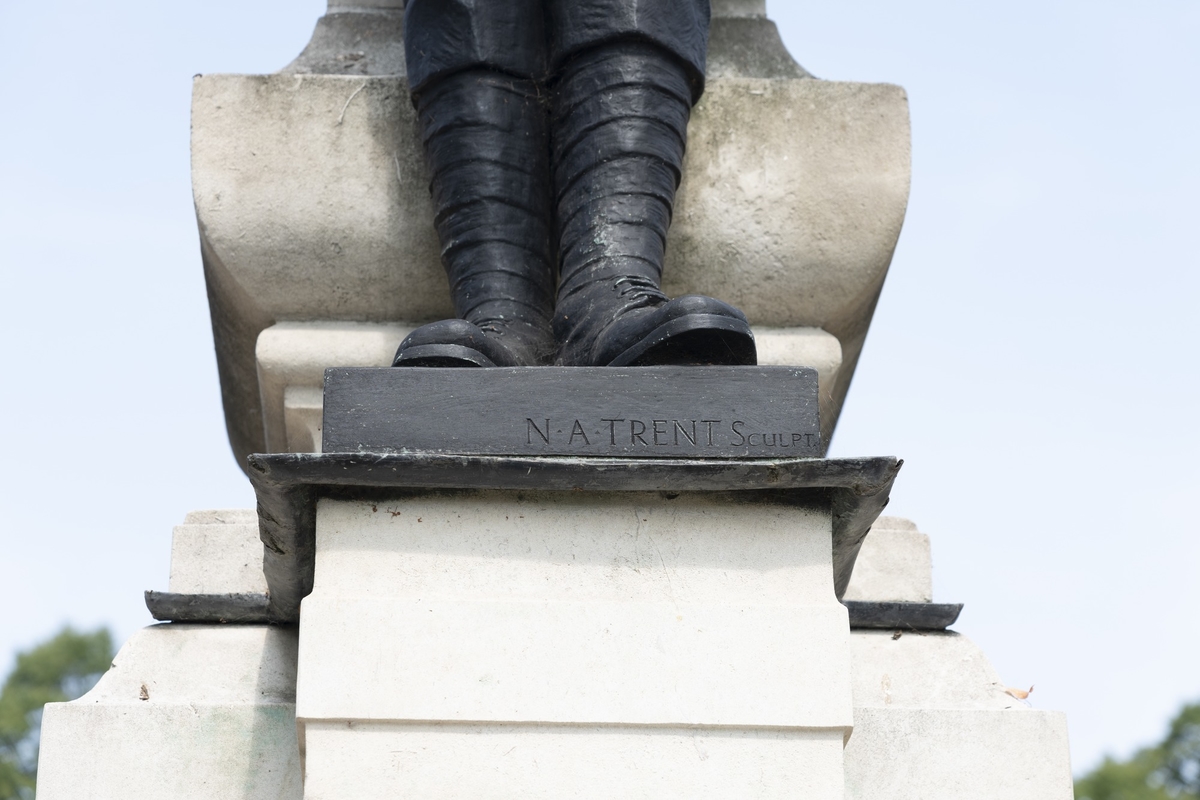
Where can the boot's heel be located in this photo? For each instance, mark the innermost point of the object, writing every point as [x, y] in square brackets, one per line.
[441, 355]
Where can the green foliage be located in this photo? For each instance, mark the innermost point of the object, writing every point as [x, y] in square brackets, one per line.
[63, 668]
[1168, 771]
[1123, 780]
[1180, 771]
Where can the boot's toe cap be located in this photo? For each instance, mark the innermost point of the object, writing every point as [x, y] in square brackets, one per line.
[688, 330]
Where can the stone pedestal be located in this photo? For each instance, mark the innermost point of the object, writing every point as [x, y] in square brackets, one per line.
[203, 711]
[932, 721]
[525, 644]
[292, 358]
[187, 712]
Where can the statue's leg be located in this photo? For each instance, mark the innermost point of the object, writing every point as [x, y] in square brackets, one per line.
[475, 69]
[626, 75]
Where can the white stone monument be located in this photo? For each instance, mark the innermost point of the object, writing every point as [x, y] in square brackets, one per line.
[604, 630]
[210, 711]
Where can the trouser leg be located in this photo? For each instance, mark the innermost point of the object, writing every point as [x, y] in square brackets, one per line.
[442, 37]
[678, 27]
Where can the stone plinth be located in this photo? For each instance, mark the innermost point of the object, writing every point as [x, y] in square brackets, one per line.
[187, 712]
[292, 358]
[545, 644]
[931, 718]
[544, 762]
[217, 552]
[895, 564]
[932, 721]
[289, 487]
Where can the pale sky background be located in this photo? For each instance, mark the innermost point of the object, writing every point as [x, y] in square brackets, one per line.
[1033, 355]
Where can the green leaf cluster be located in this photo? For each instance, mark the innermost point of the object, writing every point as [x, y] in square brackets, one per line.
[1168, 771]
[63, 668]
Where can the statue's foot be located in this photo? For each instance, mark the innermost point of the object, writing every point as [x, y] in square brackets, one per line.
[459, 343]
[688, 331]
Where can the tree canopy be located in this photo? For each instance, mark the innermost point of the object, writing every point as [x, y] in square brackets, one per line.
[1168, 771]
[62, 668]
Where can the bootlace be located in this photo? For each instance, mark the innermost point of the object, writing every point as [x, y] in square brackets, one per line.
[642, 291]
[493, 325]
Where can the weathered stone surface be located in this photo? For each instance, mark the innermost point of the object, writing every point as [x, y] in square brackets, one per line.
[186, 712]
[895, 564]
[631, 412]
[932, 722]
[219, 551]
[924, 670]
[217, 558]
[920, 754]
[216, 571]
[313, 204]
[892, 585]
[289, 486]
[559, 597]
[743, 43]
[366, 38]
[292, 358]
[931, 718]
[222, 516]
[585, 630]
[543, 762]
[739, 8]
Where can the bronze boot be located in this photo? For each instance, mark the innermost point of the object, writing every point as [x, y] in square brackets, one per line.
[486, 142]
[619, 131]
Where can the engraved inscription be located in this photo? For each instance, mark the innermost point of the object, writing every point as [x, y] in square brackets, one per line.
[533, 429]
[780, 440]
[576, 412]
[577, 430]
[647, 434]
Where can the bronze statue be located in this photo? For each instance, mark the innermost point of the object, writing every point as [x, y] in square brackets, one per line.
[555, 132]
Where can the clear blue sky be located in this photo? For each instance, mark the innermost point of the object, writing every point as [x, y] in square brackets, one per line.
[1033, 356]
